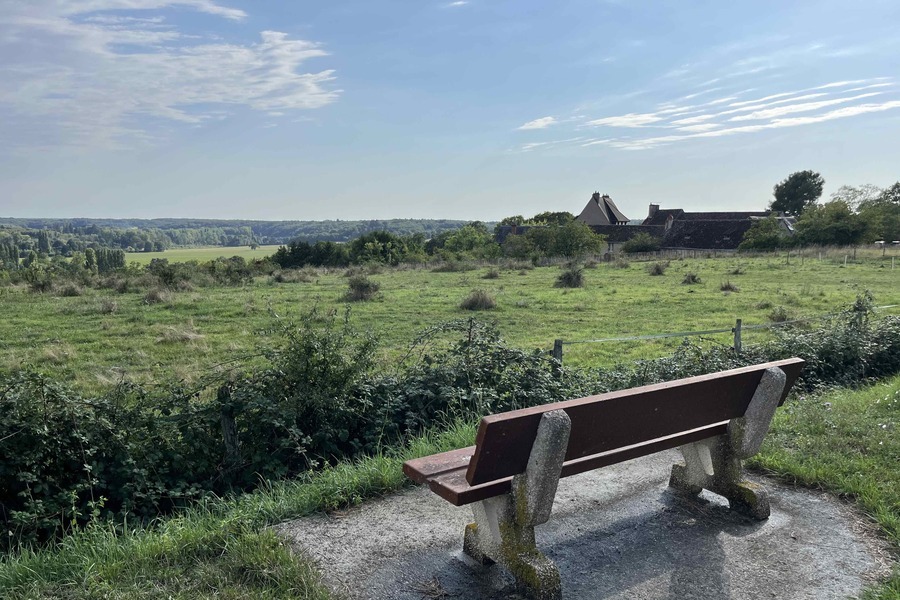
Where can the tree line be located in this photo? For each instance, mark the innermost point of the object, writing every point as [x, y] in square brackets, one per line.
[561, 236]
[853, 215]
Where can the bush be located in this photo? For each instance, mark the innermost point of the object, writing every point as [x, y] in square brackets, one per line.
[491, 274]
[736, 271]
[453, 266]
[360, 288]
[658, 268]
[158, 296]
[691, 279]
[642, 242]
[71, 290]
[779, 315]
[727, 286]
[571, 277]
[621, 263]
[478, 300]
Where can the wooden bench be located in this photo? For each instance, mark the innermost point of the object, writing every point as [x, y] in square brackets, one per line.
[511, 473]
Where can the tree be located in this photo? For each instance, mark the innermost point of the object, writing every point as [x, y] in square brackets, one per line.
[882, 215]
[551, 218]
[798, 192]
[642, 242]
[832, 223]
[575, 239]
[855, 196]
[764, 234]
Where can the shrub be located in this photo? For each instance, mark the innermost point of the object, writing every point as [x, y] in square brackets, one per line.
[71, 290]
[478, 300]
[158, 296]
[291, 276]
[621, 263]
[691, 279]
[779, 315]
[642, 242]
[658, 268]
[491, 274]
[360, 288]
[590, 264]
[727, 286]
[736, 271]
[571, 277]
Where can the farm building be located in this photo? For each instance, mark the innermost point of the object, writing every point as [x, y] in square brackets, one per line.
[674, 228]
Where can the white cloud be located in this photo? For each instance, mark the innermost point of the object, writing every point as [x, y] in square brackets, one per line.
[795, 108]
[542, 123]
[629, 120]
[81, 76]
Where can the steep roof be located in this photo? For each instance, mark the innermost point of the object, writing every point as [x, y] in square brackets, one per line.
[601, 210]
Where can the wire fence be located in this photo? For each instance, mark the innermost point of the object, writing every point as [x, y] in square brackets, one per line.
[737, 330]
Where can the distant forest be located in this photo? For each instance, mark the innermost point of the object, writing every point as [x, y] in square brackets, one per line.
[64, 236]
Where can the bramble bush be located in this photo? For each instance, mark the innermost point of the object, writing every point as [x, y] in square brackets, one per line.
[66, 460]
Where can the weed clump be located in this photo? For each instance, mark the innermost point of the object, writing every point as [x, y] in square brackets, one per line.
[571, 277]
[491, 274]
[658, 268]
[360, 289]
[621, 263]
[691, 279]
[779, 315]
[727, 286]
[71, 290]
[478, 300]
[158, 296]
[736, 271]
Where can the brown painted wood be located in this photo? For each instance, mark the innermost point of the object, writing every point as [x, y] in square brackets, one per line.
[422, 469]
[451, 485]
[605, 423]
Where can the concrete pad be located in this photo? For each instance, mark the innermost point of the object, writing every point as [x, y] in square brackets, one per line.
[616, 533]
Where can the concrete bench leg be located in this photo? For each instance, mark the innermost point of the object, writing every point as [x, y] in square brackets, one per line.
[715, 464]
[503, 531]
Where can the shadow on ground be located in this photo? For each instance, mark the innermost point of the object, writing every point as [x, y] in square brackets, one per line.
[615, 533]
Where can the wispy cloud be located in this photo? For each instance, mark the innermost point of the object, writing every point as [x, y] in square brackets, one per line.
[81, 73]
[672, 122]
[542, 123]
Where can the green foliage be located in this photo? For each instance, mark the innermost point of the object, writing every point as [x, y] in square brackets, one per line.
[797, 192]
[830, 224]
[471, 241]
[691, 279]
[764, 234]
[573, 239]
[551, 218]
[657, 268]
[642, 242]
[571, 277]
[478, 300]
[361, 288]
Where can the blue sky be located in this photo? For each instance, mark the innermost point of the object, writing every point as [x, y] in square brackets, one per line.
[478, 109]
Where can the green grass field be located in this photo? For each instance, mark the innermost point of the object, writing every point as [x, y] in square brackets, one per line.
[201, 254]
[101, 336]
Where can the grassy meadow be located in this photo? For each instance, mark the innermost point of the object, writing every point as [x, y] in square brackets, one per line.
[102, 336]
[202, 254]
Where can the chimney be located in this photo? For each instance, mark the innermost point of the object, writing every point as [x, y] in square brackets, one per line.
[596, 197]
[654, 208]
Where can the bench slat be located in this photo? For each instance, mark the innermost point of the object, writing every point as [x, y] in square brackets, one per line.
[451, 484]
[423, 469]
[620, 420]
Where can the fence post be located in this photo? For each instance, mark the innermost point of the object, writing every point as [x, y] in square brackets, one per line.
[557, 350]
[737, 336]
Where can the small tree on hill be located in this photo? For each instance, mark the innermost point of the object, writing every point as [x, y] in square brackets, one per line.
[798, 192]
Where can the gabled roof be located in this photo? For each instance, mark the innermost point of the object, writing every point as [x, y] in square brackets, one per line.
[723, 216]
[601, 210]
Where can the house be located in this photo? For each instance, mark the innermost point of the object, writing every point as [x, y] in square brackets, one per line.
[675, 228]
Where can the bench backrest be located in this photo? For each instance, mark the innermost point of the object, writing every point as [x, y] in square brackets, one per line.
[618, 426]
